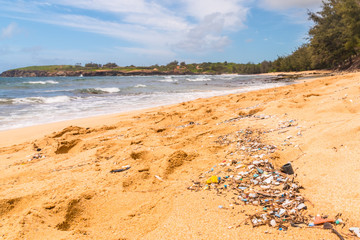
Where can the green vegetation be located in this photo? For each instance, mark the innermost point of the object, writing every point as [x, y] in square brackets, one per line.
[52, 68]
[334, 39]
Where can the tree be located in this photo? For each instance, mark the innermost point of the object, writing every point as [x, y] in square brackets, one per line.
[335, 36]
[92, 65]
[110, 65]
[173, 63]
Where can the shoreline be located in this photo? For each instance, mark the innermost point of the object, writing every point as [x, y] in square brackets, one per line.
[21, 123]
[71, 193]
[31, 132]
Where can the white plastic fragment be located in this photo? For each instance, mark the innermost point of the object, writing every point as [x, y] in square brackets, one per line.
[268, 180]
[273, 223]
[252, 195]
[159, 178]
[355, 230]
[282, 211]
[301, 206]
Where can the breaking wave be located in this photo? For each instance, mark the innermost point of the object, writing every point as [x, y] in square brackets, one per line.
[34, 100]
[42, 82]
[99, 90]
[199, 79]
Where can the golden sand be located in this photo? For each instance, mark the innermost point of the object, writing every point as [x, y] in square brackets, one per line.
[71, 194]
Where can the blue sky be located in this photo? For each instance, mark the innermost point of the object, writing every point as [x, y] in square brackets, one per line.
[146, 32]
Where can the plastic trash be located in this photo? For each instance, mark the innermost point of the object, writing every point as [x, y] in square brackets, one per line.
[287, 168]
[355, 230]
[319, 220]
[273, 223]
[301, 206]
[120, 170]
[159, 178]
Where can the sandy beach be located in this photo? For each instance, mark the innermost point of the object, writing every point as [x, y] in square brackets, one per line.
[68, 192]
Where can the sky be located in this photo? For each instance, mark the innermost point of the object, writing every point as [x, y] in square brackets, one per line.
[148, 32]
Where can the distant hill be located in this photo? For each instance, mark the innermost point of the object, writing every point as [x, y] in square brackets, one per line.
[172, 68]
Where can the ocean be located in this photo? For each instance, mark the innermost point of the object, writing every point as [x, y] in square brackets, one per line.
[39, 100]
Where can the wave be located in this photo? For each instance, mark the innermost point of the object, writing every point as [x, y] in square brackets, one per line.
[42, 82]
[6, 101]
[140, 86]
[35, 100]
[199, 79]
[99, 90]
[168, 79]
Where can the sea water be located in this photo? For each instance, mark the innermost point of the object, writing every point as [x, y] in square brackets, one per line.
[38, 100]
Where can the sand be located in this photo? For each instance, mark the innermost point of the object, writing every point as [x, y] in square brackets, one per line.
[71, 194]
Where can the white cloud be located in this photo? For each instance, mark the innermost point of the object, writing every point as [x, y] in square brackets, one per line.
[9, 31]
[183, 25]
[232, 12]
[207, 35]
[283, 5]
[215, 18]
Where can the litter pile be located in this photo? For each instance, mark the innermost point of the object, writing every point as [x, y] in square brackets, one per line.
[247, 172]
[36, 156]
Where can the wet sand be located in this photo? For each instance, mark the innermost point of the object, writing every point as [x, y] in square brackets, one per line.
[71, 194]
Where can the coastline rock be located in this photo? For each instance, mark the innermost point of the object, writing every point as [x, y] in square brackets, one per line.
[36, 73]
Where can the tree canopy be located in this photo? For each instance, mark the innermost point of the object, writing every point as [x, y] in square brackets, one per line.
[334, 39]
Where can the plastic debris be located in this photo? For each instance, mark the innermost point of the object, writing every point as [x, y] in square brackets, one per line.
[124, 168]
[338, 221]
[301, 206]
[319, 220]
[273, 223]
[355, 230]
[287, 168]
[212, 179]
[159, 178]
[250, 178]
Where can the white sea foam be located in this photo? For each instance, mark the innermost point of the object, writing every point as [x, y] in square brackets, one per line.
[19, 112]
[140, 86]
[48, 100]
[42, 82]
[199, 79]
[168, 80]
[5, 101]
[108, 90]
